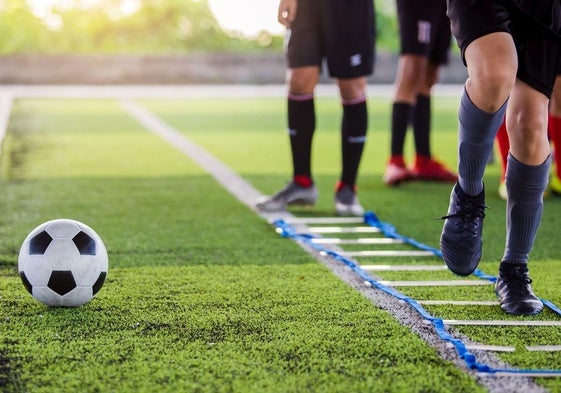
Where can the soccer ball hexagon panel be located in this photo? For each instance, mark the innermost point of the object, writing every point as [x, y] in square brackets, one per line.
[63, 263]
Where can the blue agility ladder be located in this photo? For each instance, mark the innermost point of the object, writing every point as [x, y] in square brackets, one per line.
[285, 229]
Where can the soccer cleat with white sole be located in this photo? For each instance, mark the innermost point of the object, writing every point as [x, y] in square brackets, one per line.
[291, 194]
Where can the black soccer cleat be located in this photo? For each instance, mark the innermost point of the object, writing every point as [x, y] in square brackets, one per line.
[515, 292]
[460, 241]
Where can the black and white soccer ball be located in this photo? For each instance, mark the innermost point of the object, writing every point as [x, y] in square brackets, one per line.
[63, 263]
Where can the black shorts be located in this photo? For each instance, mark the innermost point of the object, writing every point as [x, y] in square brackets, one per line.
[538, 49]
[340, 31]
[424, 29]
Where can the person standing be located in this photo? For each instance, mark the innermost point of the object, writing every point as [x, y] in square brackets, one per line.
[425, 40]
[503, 43]
[342, 33]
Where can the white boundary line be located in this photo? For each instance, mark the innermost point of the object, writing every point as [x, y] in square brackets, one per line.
[236, 185]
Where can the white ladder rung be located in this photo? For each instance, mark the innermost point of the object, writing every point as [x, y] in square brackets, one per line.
[409, 268]
[324, 220]
[458, 302]
[449, 283]
[491, 348]
[543, 348]
[499, 323]
[520, 374]
[387, 253]
[360, 229]
[364, 240]
[506, 348]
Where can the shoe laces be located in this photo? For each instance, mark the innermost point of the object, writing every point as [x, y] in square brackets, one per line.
[518, 280]
[468, 212]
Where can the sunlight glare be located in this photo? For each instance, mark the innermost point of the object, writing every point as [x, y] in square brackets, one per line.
[247, 16]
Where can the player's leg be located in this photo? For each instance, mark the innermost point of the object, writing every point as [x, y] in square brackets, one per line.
[301, 126]
[415, 33]
[349, 30]
[301, 120]
[406, 87]
[354, 126]
[492, 64]
[490, 55]
[526, 180]
[304, 54]
[529, 163]
[426, 167]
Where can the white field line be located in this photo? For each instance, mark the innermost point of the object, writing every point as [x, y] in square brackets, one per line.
[236, 185]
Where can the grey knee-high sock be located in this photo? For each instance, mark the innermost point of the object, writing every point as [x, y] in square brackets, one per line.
[477, 131]
[525, 185]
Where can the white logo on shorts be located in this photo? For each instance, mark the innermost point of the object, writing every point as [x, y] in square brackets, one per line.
[356, 60]
[423, 32]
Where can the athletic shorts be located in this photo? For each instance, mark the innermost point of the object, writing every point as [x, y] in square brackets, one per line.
[538, 49]
[340, 32]
[424, 29]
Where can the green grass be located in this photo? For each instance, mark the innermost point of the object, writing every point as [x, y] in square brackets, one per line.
[202, 295]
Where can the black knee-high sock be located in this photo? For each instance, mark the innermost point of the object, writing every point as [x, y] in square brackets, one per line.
[301, 127]
[477, 131]
[421, 125]
[401, 116]
[525, 185]
[353, 136]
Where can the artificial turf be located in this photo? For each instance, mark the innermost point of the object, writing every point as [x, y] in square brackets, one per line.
[202, 295]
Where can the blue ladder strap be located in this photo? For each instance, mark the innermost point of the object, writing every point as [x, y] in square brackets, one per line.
[286, 230]
[389, 231]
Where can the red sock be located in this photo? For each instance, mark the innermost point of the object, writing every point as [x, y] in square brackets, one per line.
[397, 160]
[504, 146]
[303, 180]
[554, 129]
[341, 185]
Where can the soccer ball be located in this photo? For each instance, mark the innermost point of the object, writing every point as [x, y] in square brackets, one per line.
[63, 263]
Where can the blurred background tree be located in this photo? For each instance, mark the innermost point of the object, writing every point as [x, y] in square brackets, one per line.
[141, 26]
